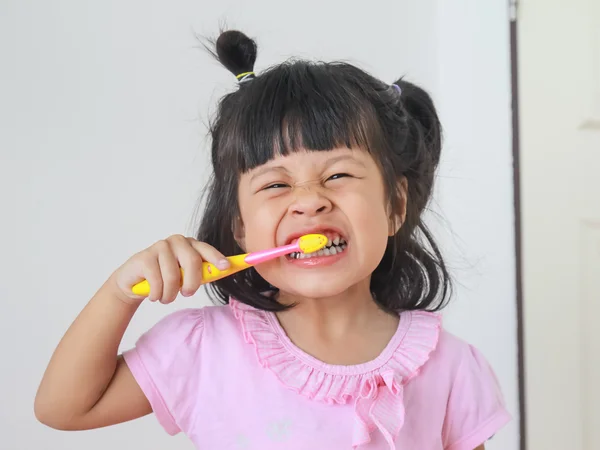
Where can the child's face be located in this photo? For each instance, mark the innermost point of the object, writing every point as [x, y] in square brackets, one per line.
[339, 193]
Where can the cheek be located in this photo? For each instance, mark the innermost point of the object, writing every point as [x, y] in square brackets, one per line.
[369, 213]
[260, 221]
[367, 209]
[370, 224]
[371, 228]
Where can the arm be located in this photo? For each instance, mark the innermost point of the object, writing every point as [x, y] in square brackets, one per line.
[86, 385]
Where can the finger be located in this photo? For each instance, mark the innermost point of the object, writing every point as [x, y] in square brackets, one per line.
[210, 254]
[191, 262]
[171, 274]
[152, 273]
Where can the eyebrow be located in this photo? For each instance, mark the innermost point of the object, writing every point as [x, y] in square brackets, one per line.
[264, 170]
[329, 162]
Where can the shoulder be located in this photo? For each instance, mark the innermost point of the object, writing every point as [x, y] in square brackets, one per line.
[466, 361]
[187, 329]
[196, 319]
[219, 316]
[188, 319]
[450, 345]
[462, 371]
[454, 353]
[452, 349]
[445, 352]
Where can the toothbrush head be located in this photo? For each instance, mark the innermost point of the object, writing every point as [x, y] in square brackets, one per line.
[310, 243]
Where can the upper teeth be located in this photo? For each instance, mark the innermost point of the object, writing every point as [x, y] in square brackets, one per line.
[334, 246]
[335, 241]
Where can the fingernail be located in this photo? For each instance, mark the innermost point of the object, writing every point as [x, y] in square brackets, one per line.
[223, 264]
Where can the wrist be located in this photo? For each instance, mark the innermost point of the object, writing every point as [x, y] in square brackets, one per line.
[111, 290]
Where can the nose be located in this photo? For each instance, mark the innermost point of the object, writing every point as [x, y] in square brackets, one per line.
[309, 203]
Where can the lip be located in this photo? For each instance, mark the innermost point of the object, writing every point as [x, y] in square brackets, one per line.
[317, 261]
[317, 229]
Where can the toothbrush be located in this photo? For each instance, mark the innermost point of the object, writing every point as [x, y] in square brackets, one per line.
[308, 243]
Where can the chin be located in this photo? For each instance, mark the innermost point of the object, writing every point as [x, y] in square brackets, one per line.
[314, 289]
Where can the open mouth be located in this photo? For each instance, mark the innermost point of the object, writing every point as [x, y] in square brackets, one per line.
[336, 244]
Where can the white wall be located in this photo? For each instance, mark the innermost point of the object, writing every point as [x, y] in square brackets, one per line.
[475, 189]
[103, 151]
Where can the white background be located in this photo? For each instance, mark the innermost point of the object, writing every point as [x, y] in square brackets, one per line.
[103, 147]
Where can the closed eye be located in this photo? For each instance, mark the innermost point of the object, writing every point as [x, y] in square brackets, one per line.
[276, 186]
[337, 176]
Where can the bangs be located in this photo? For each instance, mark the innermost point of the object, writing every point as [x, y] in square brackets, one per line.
[297, 106]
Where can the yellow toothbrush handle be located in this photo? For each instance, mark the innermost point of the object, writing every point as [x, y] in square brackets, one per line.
[210, 272]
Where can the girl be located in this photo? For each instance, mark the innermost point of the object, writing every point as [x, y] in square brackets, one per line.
[337, 350]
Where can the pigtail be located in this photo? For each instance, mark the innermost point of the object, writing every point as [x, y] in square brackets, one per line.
[420, 108]
[412, 254]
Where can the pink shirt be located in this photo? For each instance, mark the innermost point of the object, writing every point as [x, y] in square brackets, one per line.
[230, 378]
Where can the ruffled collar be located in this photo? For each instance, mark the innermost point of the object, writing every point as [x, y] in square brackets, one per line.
[376, 387]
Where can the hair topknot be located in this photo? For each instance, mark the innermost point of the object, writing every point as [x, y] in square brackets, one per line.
[236, 51]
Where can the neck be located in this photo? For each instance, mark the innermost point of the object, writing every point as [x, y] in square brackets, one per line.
[348, 328]
[333, 316]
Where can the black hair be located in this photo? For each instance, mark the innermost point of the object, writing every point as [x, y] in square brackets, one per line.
[320, 106]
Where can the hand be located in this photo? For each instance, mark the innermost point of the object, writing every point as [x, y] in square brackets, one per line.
[160, 264]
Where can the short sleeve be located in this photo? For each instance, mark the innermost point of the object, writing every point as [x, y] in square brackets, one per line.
[161, 363]
[475, 410]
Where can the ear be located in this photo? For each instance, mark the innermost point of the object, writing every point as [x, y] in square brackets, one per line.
[396, 220]
[239, 233]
